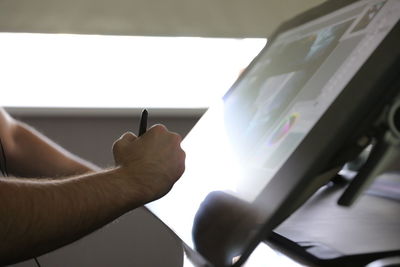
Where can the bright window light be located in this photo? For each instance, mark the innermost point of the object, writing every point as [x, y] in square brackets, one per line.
[92, 71]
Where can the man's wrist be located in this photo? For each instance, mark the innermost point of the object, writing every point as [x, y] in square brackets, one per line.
[133, 191]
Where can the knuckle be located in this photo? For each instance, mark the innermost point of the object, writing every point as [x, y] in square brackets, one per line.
[122, 141]
[176, 138]
[181, 162]
[181, 169]
[116, 146]
[128, 136]
[159, 128]
[182, 155]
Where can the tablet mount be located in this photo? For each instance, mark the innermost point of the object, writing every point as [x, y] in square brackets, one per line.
[374, 153]
[382, 157]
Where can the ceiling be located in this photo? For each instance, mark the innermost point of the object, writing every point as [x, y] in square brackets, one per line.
[205, 18]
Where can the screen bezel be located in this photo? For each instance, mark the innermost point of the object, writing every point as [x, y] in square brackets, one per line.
[347, 119]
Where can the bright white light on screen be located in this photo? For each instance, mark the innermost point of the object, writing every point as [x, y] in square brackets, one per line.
[58, 70]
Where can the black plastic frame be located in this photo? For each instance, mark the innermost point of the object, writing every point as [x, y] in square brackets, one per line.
[346, 120]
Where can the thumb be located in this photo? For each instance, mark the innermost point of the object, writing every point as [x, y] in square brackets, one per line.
[125, 140]
[128, 137]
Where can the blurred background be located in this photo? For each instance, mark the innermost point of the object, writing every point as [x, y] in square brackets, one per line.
[81, 71]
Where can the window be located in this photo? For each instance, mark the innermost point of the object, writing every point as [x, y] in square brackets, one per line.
[92, 71]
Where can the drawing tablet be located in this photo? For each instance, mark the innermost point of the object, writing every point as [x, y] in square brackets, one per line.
[257, 153]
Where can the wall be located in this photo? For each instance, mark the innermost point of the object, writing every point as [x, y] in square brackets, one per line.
[206, 18]
[135, 239]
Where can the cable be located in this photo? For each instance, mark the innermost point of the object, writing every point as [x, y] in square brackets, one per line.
[37, 262]
[4, 171]
[3, 154]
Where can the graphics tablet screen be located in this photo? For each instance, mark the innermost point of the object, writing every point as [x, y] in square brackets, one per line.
[244, 139]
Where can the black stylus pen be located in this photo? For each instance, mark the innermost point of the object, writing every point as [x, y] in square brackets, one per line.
[143, 122]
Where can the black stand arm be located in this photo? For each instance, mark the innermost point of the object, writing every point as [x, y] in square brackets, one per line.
[383, 156]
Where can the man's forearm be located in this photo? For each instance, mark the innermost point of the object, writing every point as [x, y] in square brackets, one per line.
[30, 154]
[38, 216]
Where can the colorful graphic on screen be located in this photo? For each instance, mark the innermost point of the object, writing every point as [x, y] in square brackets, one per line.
[283, 129]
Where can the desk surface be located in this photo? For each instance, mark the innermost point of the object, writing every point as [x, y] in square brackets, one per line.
[372, 224]
[263, 255]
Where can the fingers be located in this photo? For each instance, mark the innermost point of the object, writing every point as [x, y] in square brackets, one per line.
[181, 166]
[173, 141]
[157, 144]
[159, 129]
[153, 161]
[128, 137]
[123, 141]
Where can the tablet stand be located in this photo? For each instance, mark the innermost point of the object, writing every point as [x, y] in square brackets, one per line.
[384, 154]
[326, 232]
[322, 233]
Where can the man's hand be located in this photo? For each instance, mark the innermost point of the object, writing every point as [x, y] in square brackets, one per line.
[153, 162]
